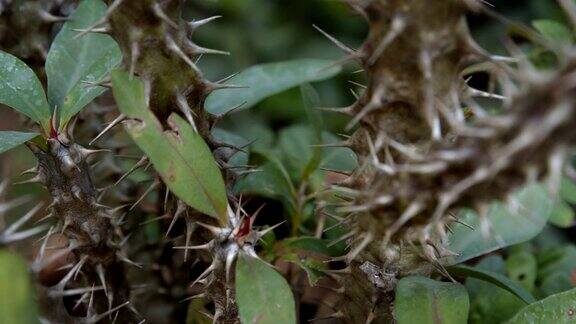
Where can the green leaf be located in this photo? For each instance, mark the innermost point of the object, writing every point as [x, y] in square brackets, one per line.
[557, 309]
[17, 304]
[315, 269]
[195, 310]
[300, 157]
[298, 154]
[556, 268]
[494, 278]
[239, 158]
[271, 181]
[254, 128]
[568, 190]
[73, 59]
[266, 80]
[9, 139]
[553, 31]
[562, 215]
[263, 295]
[337, 158]
[20, 89]
[490, 303]
[422, 300]
[310, 244]
[509, 225]
[152, 230]
[180, 155]
[522, 268]
[311, 101]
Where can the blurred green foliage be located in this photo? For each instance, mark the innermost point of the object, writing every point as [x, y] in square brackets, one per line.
[263, 31]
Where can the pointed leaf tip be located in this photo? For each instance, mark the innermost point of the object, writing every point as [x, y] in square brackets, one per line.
[72, 61]
[426, 301]
[180, 155]
[21, 90]
[10, 139]
[263, 295]
[265, 80]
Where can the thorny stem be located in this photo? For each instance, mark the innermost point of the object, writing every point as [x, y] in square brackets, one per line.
[87, 224]
[157, 47]
[422, 159]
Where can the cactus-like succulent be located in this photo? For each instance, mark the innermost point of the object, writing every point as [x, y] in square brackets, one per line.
[26, 27]
[422, 159]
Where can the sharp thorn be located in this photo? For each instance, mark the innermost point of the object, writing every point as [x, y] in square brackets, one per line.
[101, 30]
[338, 314]
[135, 167]
[152, 187]
[115, 122]
[194, 24]
[162, 15]
[336, 42]
[50, 18]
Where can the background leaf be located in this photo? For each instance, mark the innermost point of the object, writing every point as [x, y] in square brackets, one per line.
[490, 303]
[266, 80]
[337, 158]
[195, 310]
[300, 156]
[311, 101]
[521, 267]
[72, 60]
[307, 243]
[509, 225]
[562, 215]
[21, 90]
[315, 269]
[184, 161]
[553, 30]
[557, 267]
[271, 181]
[422, 300]
[568, 190]
[239, 158]
[17, 305]
[9, 139]
[493, 278]
[557, 309]
[263, 295]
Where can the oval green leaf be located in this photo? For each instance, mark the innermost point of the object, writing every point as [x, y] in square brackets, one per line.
[73, 60]
[568, 190]
[263, 295]
[553, 30]
[557, 309]
[271, 181]
[265, 80]
[563, 215]
[180, 155]
[20, 89]
[522, 267]
[556, 269]
[10, 139]
[306, 243]
[238, 159]
[490, 303]
[423, 300]
[509, 225]
[17, 304]
[315, 269]
[493, 278]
